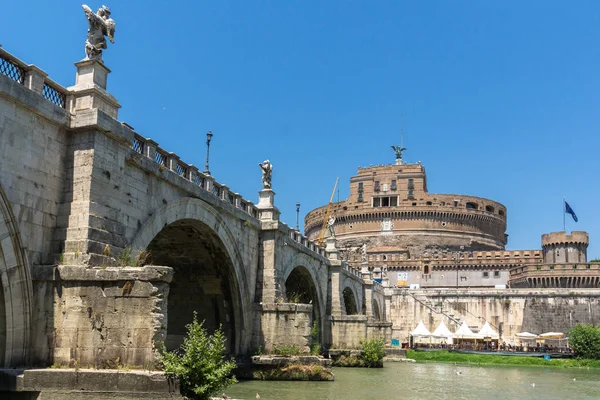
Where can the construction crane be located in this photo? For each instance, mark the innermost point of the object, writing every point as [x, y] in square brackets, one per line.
[321, 238]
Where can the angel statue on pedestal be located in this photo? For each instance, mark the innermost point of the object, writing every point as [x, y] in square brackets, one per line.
[100, 25]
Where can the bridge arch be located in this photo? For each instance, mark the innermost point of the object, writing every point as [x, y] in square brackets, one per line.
[16, 291]
[350, 303]
[302, 282]
[376, 310]
[210, 279]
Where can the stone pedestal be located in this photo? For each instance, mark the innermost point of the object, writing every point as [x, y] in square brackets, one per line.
[330, 247]
[90, 92]
[266, 206]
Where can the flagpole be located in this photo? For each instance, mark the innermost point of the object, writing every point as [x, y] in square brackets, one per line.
[564, 219]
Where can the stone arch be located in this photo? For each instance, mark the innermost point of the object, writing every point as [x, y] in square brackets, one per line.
[350, 303]
[376, 310]
[203, 252]
[300, 287]
[16, 294]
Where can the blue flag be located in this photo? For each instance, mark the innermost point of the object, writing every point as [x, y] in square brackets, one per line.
[569, 210]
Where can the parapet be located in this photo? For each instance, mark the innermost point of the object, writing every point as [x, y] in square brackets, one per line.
[557, 238]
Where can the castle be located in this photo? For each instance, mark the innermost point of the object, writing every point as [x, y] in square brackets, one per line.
[413, 237]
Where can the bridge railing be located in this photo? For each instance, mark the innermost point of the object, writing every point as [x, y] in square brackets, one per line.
[352, 270]
[32, 78]
[170, 161]
[298, 237]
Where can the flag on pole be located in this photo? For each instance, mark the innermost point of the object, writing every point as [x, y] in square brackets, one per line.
[569, 210]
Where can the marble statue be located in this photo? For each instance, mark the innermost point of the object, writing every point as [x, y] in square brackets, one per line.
[363, 251]
[398, 150]
[100, 25]
[267, 173]
[330, 226]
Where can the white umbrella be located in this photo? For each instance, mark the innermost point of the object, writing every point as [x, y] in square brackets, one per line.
[552, 335]
[526, 335]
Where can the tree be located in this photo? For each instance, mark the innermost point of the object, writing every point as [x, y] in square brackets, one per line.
[585, 340]
[199, 363]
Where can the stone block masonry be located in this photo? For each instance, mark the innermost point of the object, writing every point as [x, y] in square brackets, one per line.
[102, 318]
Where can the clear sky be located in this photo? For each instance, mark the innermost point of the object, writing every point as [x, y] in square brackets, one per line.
[501, 98]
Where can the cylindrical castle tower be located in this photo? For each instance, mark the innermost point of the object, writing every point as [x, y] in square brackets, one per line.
[390, 210]
[560, 247]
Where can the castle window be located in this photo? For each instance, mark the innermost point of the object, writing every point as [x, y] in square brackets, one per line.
[376, 186]
[394, 187]
[360, 192]
[411, 186]
[472, 206]
[384, 258]
[486, 274]
[426, 270]
[455, 203]
[489, 209]
[385, 201]
[501, 212]
[496, 274]
[429, 203]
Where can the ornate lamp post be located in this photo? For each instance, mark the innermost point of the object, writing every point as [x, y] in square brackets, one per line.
[297, 215]
[209, 136]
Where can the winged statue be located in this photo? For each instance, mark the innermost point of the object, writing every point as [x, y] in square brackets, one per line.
[100, 25]
[398, 150]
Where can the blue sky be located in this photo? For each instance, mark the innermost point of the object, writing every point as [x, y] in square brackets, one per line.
[500, 98]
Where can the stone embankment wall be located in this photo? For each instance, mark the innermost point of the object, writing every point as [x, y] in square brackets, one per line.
[511, 310]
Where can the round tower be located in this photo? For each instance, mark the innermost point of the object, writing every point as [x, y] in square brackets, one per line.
[560, 247]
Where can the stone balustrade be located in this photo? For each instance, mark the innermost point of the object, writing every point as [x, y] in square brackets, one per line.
[32, 78]
[171, 161]
[298, 237]
[351, 270]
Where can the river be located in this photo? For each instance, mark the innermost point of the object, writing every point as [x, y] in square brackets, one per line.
[434, 381]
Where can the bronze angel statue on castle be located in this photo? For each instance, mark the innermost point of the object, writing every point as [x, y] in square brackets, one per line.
[100, 25]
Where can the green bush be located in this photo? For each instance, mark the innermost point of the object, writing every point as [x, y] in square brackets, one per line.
[373, 352]
[315, 347]
[585, 340]
[287, 350]
[199, 363]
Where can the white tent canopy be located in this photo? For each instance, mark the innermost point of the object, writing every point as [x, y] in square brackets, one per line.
[442, 332]
[488, 331]
[464, 332]
[421, 331]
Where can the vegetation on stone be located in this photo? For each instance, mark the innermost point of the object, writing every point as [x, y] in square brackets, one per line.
[315, 347]
[199, 363]
[371, 356]
[294, 372]
[287, 350]
[585, 341]
[373, 352]
[481, 359]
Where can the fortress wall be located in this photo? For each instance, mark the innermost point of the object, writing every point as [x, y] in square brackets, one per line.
[514, 310]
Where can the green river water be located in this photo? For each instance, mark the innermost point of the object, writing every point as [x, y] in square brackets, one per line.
[434, 381]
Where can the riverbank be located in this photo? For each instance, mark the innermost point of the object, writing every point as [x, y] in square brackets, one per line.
[451, 357]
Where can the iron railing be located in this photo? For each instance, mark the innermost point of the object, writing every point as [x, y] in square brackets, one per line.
[54, 95]
[12, 70]
[15, 69]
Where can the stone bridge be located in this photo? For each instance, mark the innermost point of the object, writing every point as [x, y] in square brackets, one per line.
[110, 243]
